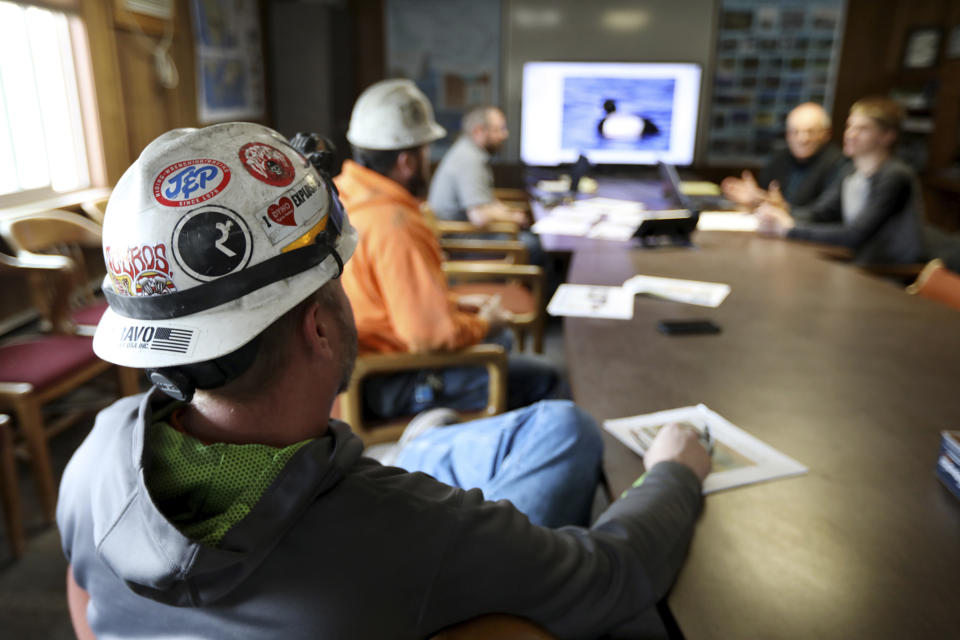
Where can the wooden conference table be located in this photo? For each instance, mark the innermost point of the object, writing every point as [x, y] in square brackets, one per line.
[838, 369]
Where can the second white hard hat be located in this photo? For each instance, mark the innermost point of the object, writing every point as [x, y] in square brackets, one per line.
[393, 114]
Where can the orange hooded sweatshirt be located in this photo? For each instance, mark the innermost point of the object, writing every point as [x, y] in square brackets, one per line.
[394, 280]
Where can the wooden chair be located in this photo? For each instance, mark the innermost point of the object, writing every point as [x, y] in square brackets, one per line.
[38, 369]
[63, 295]
[936, 282]
[494, 626]
[349, 407]
[520, 286]
[95, 209]
[9, 492]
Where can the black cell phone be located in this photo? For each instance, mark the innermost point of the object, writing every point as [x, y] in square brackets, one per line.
[687, 327]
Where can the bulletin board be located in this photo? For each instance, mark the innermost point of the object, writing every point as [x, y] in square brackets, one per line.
[451, 49]
[770, 56]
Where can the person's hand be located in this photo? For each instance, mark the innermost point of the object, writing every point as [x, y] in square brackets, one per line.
[501, 212]
[775, 197]
[773, 220]
[495, 315]
[472, 301]
[679, 444]
[743, 191]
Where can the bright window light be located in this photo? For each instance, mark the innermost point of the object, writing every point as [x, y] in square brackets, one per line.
[41, 131]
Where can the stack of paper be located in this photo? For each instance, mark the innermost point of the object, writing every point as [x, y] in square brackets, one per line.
[727, 221]
[605, 218]
[738, 458]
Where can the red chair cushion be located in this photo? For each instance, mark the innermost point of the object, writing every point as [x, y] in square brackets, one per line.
[41, 361]
[90, 315]
[513, 297]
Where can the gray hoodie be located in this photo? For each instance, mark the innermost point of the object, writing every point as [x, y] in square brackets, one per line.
[340, 546]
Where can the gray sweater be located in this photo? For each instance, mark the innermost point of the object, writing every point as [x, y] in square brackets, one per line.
[887, 231]
[341, 547]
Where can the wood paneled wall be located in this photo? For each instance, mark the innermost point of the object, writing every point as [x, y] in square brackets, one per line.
[134, 108]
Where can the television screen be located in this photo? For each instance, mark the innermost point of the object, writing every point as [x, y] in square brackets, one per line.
[612, 113]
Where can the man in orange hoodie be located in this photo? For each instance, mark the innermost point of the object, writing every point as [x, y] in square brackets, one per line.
[395, 280]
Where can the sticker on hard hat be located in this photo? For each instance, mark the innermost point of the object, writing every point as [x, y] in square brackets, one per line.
[283, 218]
[190, 182]
[211, 241]
[147, 338]
[140, 271]
[267, 164]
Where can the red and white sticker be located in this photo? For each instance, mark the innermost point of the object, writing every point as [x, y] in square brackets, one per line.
[140, 271]
[282, 212]
[297, 208]
[190, 182]
[267, 164]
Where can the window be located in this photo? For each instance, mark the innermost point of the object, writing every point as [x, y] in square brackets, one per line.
[42, 137]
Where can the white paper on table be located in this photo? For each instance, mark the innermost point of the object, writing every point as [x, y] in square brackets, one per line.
[727, 221]
[610, 205]
[705, 294]
[624, 217]
[738, 458]
[561, 227]
[612, 231]
[589, 301]
[567, 212]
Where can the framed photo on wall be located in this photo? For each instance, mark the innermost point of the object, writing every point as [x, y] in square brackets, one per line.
[922, 49]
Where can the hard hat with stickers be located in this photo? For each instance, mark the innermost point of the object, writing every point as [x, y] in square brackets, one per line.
[210, 236]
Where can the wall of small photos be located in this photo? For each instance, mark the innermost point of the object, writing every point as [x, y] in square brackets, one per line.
[770, 56]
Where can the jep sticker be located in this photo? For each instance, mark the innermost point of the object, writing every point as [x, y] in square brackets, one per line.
[190, 182]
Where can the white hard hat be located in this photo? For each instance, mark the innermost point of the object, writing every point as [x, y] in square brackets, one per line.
[393, 114]
[210, 236]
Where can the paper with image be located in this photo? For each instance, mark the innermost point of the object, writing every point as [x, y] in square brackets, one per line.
[705, 294]
[588, 301]
[738, 458]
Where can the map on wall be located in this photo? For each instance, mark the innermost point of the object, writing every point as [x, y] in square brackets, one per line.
[771, 56]
[230, 82]
[451, 49]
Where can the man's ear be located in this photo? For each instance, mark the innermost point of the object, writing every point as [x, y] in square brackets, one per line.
[408, 165]
[315, 330]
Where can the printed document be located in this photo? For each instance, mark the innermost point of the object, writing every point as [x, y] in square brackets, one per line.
[738, 458]
[705, 294]
[588, 301]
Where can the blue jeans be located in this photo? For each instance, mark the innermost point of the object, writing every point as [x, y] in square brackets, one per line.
[529, 379]
[544, 458]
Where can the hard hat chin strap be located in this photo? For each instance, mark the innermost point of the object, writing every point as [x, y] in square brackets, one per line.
[182, 381]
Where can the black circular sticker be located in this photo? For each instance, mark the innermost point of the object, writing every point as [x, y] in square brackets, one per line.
[211, 241]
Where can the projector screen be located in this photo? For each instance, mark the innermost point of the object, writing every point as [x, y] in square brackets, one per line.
[612, 113]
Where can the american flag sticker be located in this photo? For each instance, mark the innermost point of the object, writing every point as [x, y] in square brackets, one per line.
[157, 338]
[167, 339]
